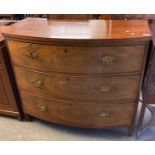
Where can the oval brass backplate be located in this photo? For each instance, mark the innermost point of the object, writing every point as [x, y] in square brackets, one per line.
[104, 115]
[105, 88]
[31, 54]
[108, 59]
[43, 108]
[37, 83]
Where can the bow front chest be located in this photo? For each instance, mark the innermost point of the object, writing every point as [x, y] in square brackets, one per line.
[79, 73]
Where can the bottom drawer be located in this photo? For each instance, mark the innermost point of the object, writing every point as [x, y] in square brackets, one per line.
[92, 115]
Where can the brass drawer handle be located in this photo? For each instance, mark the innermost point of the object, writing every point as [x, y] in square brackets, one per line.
[31, 54]
[43, 108]
[105, 88]
[108, 59]
[37, 83]
[104, 115]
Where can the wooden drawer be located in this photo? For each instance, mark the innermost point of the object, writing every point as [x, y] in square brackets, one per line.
[78, 114]
[84, 60]
[72, 87]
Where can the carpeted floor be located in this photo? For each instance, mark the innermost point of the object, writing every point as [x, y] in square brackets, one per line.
[12, 129]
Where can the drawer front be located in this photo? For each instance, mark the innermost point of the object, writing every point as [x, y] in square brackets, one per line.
[67, 87]
[77, 114]
[85, 60]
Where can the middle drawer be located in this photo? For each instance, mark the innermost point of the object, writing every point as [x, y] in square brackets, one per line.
[71, 87]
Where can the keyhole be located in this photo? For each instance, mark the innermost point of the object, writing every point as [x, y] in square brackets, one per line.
[66, 51]
[67, 79]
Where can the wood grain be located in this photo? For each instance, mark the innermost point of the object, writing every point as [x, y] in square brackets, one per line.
[66, 75]
[70, 32]
[66, 87]
[77, 114]
[8, 104]
[72, 16]
[83, 60]
[3, 97]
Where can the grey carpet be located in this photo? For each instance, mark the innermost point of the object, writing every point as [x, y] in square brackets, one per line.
[148, 133]
[12, 129]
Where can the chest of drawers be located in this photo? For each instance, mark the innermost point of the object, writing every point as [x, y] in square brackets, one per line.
[79, 73]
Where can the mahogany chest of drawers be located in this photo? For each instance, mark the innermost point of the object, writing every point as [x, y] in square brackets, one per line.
[79, 73]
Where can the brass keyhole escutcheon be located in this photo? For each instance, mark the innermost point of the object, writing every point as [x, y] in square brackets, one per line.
[66, 51]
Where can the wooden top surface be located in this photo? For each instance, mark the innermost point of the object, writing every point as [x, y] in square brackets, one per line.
[79, 30]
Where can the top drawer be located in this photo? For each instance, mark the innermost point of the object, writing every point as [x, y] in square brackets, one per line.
[84, 60]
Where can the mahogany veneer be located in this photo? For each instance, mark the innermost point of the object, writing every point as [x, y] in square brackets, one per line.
[73, 16]
[79, 114]
[79, 73]
[78, 87]
[8, 102]
[87, 58]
